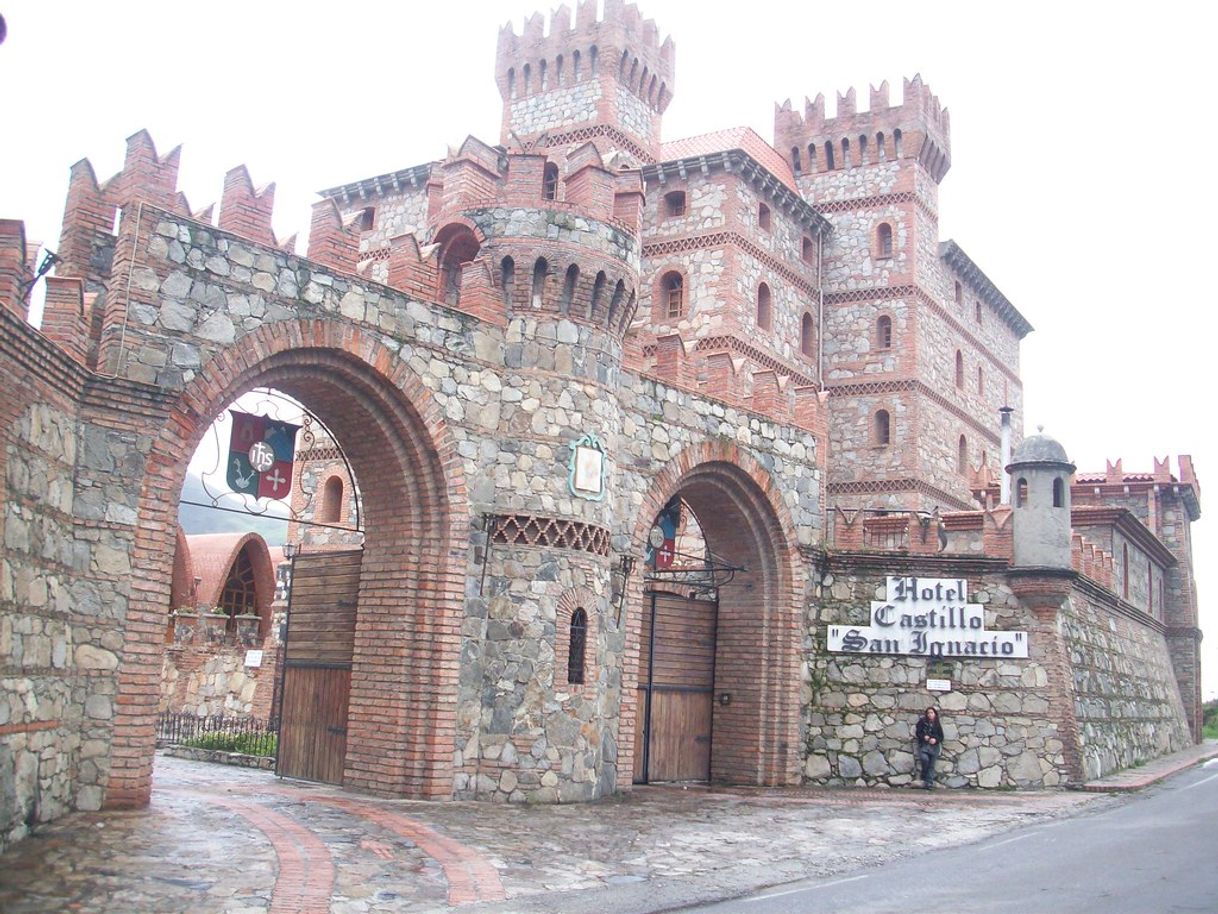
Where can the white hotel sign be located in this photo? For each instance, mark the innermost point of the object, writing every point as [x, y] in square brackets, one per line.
[927, 617]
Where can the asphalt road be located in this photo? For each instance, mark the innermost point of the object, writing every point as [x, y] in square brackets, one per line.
[1156, 853]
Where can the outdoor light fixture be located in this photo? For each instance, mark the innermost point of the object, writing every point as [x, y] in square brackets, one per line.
[289, 550]
[625, 568]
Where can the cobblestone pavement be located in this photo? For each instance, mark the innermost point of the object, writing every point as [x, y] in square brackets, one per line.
[237, 841]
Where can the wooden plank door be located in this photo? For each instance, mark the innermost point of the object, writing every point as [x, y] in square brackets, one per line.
[676, 690]
[317, 666]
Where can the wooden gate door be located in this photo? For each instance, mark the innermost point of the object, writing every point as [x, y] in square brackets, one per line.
[317, 666]
[676, 689]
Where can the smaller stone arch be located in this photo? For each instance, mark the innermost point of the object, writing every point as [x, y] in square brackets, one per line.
[569, 603]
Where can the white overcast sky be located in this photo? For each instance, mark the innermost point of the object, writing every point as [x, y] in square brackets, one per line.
[1082, 139]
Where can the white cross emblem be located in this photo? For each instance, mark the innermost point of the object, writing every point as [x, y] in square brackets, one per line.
[276, 481]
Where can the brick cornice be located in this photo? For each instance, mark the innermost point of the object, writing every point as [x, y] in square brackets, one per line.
[744, 348]
[688, 243]
[878, 200]
[911, 385]
[892, 486]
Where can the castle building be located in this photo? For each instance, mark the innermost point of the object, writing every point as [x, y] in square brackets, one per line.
[644, 460]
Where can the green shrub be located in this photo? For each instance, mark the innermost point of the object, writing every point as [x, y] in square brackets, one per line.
[1209, 725]
[261, 744]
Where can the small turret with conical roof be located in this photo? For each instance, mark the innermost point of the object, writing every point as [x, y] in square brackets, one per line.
[1040, 479]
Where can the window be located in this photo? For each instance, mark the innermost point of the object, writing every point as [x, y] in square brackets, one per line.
[549, 182]
[331, 501]
[977, 311]
[883, 332]
[508, 267]
[1124, 571]
[795, 159]
[577, 647]
[807, 336]
[980, 381]
[763, 217]
[1059, 493]
[568, 289]
[763, 306]
[883, 240]
[1021, 493]
[458, 246]
[959, 295]
[239, 596]
[367, 219]
[538, 292]
[809, 251]
[962, 456]
[673, 295]
[959, 370]
[674, 203]
[881, 429]
[829, 166]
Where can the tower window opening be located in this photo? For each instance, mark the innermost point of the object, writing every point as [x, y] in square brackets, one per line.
[962, 456]
[577, 647]
[980, 381]
[763, 217]
[811, 158]
[1059, 493]
[807, 336]
[959, 369]
[880, 152]
[538, 292]
[809, 250]
[1021, 493]
[845, 152]
[862, 149]
[829, 164]
[673, 286]
[881, 428]
[508, 270]
[883, 240]
[763, 307]
[549, 184]
[883, 332]
[367, 218]
[959, 295]
[674, 203]
[977, 311]
[795, 159]
[575, 65]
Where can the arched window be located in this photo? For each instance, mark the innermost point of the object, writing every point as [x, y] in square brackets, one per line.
[512, 82]
[575, 65]
[577, 647]
[880, 152]
[883, 332]
[673, 291]
[542, 74]
[959, 369]
[862, 149]
[674, 203]
[615, 303]
[795, 159]
[592, 60]
[959, 295]
[980, 381]
[331, 501]
[1021, 493]
[240, 595]
[458, 246]
[651, 90]
[962, 456]
[549, 181]
[978, 312]
[1125, 571]
[845, 152]
[811, 158]
[558, 71]
[526, 71]
[537, 294]
[809, 250]
[883, 240]
[829, 166]
[807, 337]
[598, 290]
[881, 429]
[896, 143]
[568, 289]
[1059, 493]
[508, 269]
[763, 217]
[763, 306]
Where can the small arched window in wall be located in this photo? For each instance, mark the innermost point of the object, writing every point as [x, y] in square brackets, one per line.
[598, 291]
[1021, 493]
[592, 60]
[862, 149]
[1059, 493]
[809, 250]
[239, 596]
[977, 311]
[807, 337]
[577, 647]
[962, 456]
[763, 307]
[795, 159]
[458, 246]
[549, 182]
[980, 381]
[880, 151]
[575, 65]
[763, 217]
[883, 240]
[541, 70]
[537, 294]
[959, 295]
[881, 428]
[883, 332]
[674, 203]
[367, 218]
[845, 152]
[558, 71]
[811, 158]
[1124, 571]
[508, 270]
[673, 289]
[526, 71]
[568, 289]
[512, 82]
[829, 164]
[959, 369]
[896, 143]
[331, 501]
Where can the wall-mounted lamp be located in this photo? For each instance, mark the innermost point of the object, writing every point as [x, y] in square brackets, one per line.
[625, 568]
[290, 550]
[724, 699]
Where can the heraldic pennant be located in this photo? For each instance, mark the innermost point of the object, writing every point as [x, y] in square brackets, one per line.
[260, 454]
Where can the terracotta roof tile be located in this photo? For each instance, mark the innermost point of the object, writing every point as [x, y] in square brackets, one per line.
[742, 138]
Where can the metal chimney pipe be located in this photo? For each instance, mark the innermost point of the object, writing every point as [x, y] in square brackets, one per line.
[1005, 477]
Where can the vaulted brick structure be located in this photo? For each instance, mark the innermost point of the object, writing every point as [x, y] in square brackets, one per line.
[625, 433]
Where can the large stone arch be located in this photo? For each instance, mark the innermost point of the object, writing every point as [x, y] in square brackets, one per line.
[408, 628]
[746, 522]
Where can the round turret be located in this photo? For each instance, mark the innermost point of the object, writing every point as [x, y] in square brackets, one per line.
[1040, 480]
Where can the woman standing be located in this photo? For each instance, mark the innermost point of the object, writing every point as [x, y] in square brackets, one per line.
[929, 734]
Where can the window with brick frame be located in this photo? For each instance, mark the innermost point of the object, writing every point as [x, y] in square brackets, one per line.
[959, 295]
[672, 292]
[1021, 493]
[331, 501]
[549, 182]
[764, 318]
[674, 203]
[367, 218]
[881, 428]
[807, 336]
[883, 332]
[977, 311]
[577, 646]
[883, 240]
[959, 370]
[809, 250]
[763, 217]
[962, 456]
[980, 381]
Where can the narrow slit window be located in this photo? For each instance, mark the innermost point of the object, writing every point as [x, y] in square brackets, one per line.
[577, 647]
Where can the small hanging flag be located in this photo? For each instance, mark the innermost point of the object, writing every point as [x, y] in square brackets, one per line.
[260, 455]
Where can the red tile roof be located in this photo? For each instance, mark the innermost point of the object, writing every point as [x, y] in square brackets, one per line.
[742, 138]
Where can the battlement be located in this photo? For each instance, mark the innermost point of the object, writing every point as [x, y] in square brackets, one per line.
[622, 44]
[919, 128]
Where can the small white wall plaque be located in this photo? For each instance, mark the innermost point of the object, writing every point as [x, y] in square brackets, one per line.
[586, 478]
[253, 658]
[939, 685]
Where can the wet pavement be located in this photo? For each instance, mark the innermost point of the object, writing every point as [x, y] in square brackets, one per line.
[224, 840]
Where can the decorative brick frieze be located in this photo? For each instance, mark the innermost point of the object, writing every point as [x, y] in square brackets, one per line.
[526, 530]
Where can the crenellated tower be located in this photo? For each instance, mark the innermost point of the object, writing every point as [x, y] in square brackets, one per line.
[607, 80]
[921, 350]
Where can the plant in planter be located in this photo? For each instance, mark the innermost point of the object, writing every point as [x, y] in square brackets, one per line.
[184, 620]
[216, 622]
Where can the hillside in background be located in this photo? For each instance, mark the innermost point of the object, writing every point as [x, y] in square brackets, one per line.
[196, 519]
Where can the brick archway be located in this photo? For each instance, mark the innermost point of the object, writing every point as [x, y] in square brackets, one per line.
[745, 523]
[407, 629]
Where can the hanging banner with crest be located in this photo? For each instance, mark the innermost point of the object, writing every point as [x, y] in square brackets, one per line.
[260, 455]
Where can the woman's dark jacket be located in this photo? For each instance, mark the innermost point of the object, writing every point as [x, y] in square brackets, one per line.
[928, 728]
